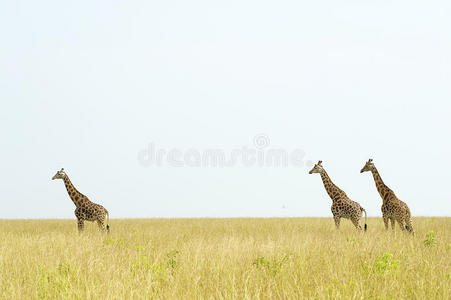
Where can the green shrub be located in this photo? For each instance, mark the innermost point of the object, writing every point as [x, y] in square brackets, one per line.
[430, 239]
[272, 266]
[385, 264]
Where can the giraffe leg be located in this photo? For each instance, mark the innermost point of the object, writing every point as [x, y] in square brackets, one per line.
[392, 223]
[401, 222]
[101, 224]
[386, 222]
[337, 222]
[81, 225]
[409, 226]
[356, 223]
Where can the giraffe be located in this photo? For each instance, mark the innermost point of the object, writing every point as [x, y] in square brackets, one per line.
[85, 209]
[342, 206]
[392, 208]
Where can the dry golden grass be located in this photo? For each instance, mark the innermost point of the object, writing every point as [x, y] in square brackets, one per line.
[224, 258]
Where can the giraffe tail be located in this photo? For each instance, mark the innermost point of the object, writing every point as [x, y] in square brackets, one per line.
[366, 226]
[107, 222]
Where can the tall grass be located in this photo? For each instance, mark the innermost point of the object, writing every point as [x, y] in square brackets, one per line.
[224, 258]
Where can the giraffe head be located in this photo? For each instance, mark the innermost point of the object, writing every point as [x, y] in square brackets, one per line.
[318, 168]
[369, 166]
[59, 175]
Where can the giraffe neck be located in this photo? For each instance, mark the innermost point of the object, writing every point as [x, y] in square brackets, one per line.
[330, 187]
[380, 185]
[74, 195]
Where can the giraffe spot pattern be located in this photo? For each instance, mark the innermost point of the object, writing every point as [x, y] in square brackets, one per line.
[392, 208]
[85, 209]
[342, 206]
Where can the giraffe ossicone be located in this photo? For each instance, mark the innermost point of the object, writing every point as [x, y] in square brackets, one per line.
[86, 210]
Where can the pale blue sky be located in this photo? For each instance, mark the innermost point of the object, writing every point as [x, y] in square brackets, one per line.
[87, 85]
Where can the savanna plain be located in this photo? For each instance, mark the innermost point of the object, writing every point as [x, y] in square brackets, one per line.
[242, 258]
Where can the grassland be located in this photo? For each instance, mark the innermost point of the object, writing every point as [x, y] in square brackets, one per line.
[224, 258]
